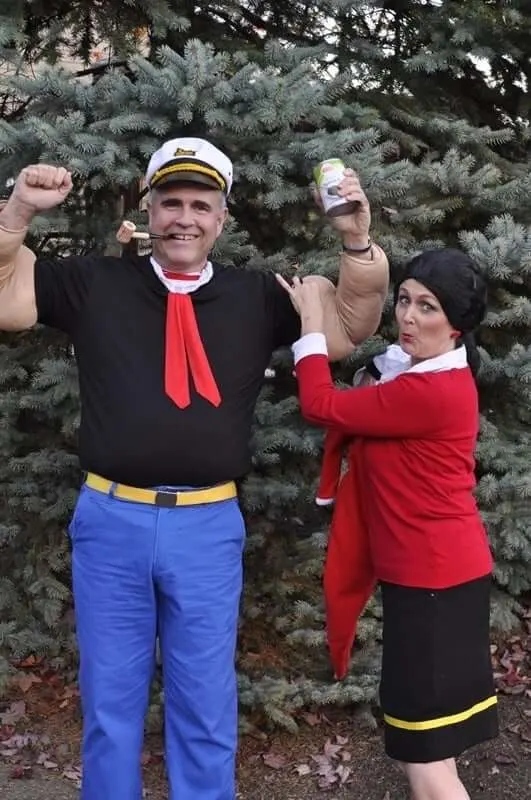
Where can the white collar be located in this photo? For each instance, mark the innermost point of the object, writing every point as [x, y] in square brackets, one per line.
[454, 359]
[183, 286]
[394, 362]
[391, 363]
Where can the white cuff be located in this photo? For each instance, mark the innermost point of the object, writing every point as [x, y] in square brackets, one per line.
[312, 344]
[325, 501]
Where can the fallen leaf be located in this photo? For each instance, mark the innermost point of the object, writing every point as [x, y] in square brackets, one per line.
[21, 740]
[14, 713]
[274, 760]
[8, 753]
[303, 769]
[327, 781]
[344, 773]
[73, 774]
[20, 771]
[331, 750]
[45, 761]
[26, 680]
[502, 758]
[326, 770]
[30, 661]
[69, 693]
[322, 761]
[514, 689]
[312, 719]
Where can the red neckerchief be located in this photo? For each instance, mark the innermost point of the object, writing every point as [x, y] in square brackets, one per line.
[184, 350]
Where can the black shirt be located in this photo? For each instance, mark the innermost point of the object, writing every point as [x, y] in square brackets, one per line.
[114, 310]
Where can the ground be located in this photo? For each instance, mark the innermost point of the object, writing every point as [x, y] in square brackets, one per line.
[286, 766]
[337, 753]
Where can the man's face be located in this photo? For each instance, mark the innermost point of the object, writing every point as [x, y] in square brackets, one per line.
[194, 215]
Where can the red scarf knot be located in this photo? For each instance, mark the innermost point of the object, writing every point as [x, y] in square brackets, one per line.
[185, 352]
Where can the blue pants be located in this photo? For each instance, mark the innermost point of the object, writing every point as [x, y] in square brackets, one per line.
[139, 572]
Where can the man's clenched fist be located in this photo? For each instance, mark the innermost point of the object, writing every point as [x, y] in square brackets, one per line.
[40, 187]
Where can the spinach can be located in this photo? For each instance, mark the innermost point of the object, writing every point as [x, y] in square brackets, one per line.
[328, 175]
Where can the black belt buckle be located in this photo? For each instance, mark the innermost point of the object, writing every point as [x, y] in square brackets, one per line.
[166, 499]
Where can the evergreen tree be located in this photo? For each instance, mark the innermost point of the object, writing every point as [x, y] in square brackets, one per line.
[434, 173]
[277, 119]
[32, 31]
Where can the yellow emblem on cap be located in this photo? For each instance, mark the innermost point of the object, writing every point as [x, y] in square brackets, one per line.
[182, 151]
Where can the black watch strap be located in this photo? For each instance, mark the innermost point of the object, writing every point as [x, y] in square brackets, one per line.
[358, 250]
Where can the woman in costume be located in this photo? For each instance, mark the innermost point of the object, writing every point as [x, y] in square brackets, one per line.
[414, 523]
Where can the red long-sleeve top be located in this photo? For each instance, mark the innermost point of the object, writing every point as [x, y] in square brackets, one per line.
[418, 435]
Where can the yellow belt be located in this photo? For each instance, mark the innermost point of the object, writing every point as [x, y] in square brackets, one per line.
[165, 499]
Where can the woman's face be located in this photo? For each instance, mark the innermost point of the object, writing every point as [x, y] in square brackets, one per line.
[423, 328]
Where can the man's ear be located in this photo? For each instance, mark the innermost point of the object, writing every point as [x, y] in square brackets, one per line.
[222, 219]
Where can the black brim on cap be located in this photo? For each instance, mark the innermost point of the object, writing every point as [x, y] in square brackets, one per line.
[189, 170]
[187, 177]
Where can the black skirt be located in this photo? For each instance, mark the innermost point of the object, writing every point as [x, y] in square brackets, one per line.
[437, 687]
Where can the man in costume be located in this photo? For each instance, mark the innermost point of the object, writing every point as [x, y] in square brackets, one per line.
[171, 350]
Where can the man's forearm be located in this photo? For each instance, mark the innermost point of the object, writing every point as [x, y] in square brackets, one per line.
[15, 216]
[14, 222]
[352, 312]
[361, 291]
